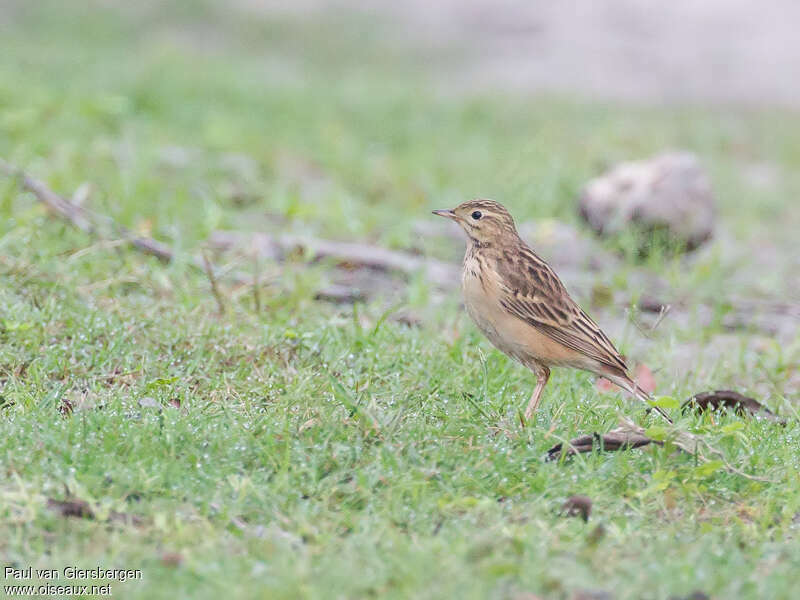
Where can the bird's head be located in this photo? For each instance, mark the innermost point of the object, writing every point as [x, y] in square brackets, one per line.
[485, 222]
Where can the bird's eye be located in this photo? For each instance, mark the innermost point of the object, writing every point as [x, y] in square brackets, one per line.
[477, 215]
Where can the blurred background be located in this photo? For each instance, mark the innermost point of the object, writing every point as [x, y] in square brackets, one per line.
[349, 121]
[729, 51]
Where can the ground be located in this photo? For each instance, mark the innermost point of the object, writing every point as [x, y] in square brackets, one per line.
[287, 447]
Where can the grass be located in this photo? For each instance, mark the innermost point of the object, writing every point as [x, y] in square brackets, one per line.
[313, 450]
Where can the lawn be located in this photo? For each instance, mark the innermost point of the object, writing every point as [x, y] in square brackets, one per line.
[287, 447]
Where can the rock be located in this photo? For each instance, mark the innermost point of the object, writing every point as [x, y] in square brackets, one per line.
[669, 191]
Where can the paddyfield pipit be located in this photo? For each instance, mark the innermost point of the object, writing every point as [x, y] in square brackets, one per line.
[520, 304]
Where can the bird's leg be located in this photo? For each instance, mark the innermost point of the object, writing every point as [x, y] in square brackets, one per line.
[542, 375]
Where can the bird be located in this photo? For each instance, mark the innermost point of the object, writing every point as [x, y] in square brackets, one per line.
[519, 303]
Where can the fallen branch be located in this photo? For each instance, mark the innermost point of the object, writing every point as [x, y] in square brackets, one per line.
[616, 439]
[62, 207]
[80, 217]
[629, 435]
[88, 222]
[357, 254]
[441, 273]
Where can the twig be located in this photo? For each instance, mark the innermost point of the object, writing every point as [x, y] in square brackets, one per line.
[364, 255]
[372, 256]
[213, 281]
[665, 308]
[616, 439]
[80, 217]
[62, 207]
[256, 290]
[648, 333]
[87, 221]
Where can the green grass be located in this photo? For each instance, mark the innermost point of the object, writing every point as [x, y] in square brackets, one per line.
[323, 451]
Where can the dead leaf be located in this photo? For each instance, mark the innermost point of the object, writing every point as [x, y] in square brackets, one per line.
[643, 376]
[577, 506]
[651, 304]
[171, 559]
[71, 508]
[406, 318]
[616, 439]
[80, 509]
[732, 400]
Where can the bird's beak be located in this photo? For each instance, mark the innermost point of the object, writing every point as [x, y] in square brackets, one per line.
[446, 213]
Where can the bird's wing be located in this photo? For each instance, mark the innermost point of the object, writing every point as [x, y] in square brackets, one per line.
[530, 290]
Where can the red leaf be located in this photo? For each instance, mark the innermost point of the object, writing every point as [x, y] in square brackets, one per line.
[604, 386]
[644, 378]
[171, 559]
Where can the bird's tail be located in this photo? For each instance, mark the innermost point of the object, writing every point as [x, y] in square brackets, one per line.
[630, 386]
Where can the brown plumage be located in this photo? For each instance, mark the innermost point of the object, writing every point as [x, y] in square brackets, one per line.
[520, 304]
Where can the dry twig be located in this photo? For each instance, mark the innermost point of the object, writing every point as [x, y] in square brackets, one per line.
[616, 439]
[355, 254]
[89, 222]
[213, 281]
[80, 217]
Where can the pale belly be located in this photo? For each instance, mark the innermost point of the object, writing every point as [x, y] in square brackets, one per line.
[509, 334]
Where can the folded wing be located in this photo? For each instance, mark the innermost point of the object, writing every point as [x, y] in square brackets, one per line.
[532, 291]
